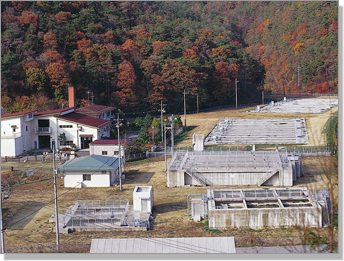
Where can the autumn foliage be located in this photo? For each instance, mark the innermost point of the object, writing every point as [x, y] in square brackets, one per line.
[132, 55]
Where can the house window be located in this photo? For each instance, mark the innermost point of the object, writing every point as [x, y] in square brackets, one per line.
[26, 128]
[115, 152]
[14, 130]
[104, 152]
[66, 126]
[103, 171]
[30, 115]
[67, 143]
[108, 114]
[86, 177]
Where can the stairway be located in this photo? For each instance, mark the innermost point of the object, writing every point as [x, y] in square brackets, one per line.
[197, 177]
[266, 176]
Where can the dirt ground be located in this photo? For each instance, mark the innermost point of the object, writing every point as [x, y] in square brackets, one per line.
[27, 211]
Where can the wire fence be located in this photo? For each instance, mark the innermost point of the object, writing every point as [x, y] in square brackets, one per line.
[321, 150]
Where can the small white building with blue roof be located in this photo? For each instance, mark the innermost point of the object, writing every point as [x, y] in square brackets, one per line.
[91, 171]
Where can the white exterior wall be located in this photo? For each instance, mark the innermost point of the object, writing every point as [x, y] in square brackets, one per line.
[11, 142]
[15, 143]
[97, 149]
[75, 179]
[53, 133]
[23, 140]
[143, 195]
[104, 116]
[71, 133]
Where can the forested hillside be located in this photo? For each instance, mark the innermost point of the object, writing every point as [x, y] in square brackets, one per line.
[131, 54]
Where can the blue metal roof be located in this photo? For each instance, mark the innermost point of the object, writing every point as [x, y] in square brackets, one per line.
[91, 163]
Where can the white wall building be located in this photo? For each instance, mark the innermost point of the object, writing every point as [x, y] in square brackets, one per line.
[91, 171]
[38, 130]
[143, 198]
[98, 111]
[108, 147]
[16, 133]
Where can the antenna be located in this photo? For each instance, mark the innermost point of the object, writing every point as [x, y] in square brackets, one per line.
[92, 98]
[88, 98]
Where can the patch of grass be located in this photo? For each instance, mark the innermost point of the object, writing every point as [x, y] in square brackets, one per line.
[138, 162]
[184, 134]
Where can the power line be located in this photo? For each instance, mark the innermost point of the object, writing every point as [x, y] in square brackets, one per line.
[33, 242]
[59, 195]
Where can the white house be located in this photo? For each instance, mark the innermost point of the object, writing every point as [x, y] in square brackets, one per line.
[98, 111]
[16, 133]
[33, 130]
[91, 171]
[108, 147]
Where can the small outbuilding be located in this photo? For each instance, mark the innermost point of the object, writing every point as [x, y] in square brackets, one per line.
[108, 147]
[143, 198]
[91, 171]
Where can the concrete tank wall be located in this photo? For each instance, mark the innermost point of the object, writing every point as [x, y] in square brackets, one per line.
[263, 218]
[180, 178]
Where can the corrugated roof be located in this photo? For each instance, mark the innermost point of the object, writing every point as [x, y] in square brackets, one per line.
[91, 163]
[95, 109]
[84, 119]
[164, 245]
[108, 142]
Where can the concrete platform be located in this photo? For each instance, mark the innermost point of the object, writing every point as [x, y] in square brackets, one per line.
[258, 131]
[299, 106]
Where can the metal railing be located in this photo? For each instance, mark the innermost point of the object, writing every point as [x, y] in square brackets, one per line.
[43, 130]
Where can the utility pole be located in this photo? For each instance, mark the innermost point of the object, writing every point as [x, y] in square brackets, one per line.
[162, 121]
[165, 131]
[119, 153]
[2, 228]
[153, 139]
[185, 110]
[263, 97]
[236, 93]
[172, 135]
[298, 80]
[56, 209]
[165, 145]
[197, 103]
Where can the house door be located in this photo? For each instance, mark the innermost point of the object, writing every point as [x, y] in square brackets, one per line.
[44, 142]
[144, 205]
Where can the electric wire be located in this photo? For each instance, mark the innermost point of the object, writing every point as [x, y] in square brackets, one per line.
[58, 195]
[33, 242]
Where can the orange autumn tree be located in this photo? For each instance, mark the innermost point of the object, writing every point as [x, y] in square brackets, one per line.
[224, 76]
[59, 79]
[125, 95]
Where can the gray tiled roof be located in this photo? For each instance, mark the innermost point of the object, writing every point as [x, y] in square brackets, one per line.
[91, 163]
